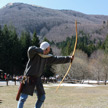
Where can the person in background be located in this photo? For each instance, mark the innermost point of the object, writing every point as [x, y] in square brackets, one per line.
[5, 76]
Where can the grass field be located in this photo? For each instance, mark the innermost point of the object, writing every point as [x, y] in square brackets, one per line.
[66, 97]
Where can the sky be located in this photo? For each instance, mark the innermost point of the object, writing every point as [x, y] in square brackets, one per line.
[92, 7]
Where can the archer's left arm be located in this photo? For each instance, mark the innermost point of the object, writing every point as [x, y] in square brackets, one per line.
[59, 59]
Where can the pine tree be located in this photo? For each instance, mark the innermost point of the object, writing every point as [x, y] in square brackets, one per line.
[106, 44]
[5, 51]
[35, 40]
[25, 41]
[15, 52]
[9, 50]
[1, 48]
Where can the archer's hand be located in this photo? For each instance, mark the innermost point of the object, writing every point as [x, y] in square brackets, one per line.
[72, 58]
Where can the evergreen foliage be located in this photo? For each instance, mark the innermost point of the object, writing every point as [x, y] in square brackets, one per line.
[35, 40]
[84, 43]
[106, 44]
[13, 49]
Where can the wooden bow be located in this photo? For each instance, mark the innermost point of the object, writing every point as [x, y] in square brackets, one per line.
[71, 62]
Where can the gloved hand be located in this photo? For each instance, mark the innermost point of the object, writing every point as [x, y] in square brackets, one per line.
[72, 58]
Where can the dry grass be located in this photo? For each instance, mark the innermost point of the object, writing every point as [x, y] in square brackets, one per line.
[66, 97]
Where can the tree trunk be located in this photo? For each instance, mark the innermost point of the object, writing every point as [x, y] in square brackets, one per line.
[106, 78]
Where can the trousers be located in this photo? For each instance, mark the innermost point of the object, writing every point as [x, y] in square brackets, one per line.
[23, 98]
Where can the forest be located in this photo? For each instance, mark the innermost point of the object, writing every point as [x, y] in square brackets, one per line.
[90, 62]
[91, 58]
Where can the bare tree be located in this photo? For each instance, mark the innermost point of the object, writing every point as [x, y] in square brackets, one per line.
[96, 65]
[79, 69]
[104, 60]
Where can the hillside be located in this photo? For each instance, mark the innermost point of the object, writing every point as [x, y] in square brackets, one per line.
[56, 25]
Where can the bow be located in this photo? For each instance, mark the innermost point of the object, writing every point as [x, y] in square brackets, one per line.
[71, 62]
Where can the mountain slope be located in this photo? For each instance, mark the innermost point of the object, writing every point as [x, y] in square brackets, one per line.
[54, 24]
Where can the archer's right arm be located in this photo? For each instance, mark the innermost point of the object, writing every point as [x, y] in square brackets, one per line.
[33, 50]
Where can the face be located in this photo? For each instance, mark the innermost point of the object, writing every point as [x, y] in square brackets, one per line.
[47, 50]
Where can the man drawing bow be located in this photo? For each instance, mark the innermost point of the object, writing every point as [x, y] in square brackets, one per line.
[38, 58]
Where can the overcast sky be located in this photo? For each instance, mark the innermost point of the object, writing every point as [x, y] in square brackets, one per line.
[97, 7]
